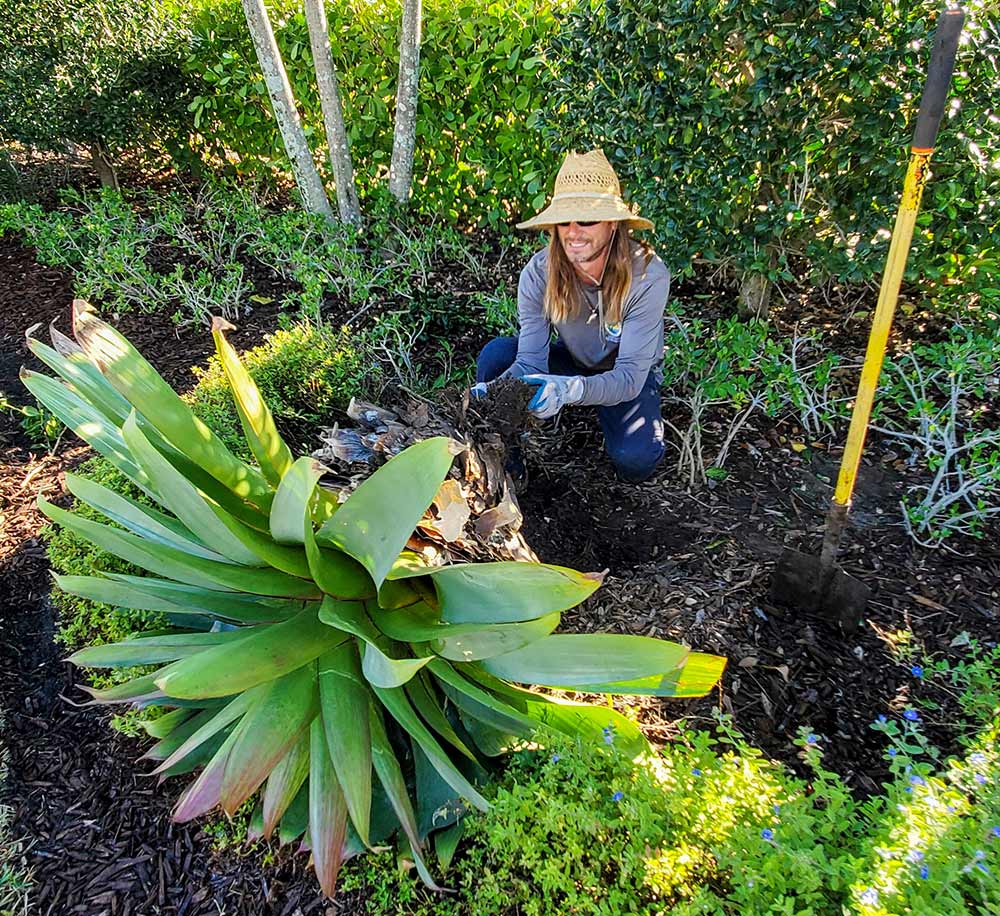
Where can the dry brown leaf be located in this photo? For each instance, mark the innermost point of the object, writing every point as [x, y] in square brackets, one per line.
[748, 662]
[927, 602]
[452, 511]
[783, 671]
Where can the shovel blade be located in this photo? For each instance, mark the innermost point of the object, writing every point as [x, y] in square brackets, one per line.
[799, 580]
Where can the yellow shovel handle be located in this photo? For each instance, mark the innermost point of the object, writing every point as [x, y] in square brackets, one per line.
[928, 120]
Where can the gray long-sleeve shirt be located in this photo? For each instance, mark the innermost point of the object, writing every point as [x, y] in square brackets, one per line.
[623, 354]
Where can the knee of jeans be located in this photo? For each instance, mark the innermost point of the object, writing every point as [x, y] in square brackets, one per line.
[634, 465]
[496, 358]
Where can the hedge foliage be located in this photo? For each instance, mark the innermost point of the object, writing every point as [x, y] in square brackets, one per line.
[93, 71]
[479, 81]
[772, 134]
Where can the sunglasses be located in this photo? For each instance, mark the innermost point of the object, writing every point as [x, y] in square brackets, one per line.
[585, 223]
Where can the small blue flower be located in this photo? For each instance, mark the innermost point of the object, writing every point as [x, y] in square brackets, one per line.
[893, 752]
[870, 897]
[881, 720]
[777, 809]
[977, 759]
[951, 809]
[924, 872]
[554, 758]
[995, 831]
[917, 671]
[609, 737]
[908, 789]
[917, 781]
[979, 855]
[915, 855]
[982, 867]
[695, 771]
[911, 715]
[980, 779]
[812, 739]
[618, 796]
[767, 834]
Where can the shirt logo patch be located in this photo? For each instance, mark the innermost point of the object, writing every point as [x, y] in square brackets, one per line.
[613, 331]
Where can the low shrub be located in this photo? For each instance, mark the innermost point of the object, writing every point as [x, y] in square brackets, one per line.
[708, 826]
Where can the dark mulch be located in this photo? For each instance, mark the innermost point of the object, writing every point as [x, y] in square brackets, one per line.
[687, 566]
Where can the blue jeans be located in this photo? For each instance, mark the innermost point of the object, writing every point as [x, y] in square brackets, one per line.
[633, 430]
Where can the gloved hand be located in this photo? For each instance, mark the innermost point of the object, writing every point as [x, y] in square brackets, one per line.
[554, 393]
[477, 391]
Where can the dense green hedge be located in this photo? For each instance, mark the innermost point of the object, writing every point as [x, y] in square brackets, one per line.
[772, 134]
[479, 82]
[94, 71]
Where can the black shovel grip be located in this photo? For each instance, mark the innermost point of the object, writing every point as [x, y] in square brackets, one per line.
[942, 64]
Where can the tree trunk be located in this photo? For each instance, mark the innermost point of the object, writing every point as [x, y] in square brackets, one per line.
[101, 159]
[755, 295]
[285, 113]
[404, 139]
[333, 113]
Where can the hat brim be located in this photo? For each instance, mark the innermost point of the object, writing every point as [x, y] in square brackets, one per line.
[581, 209]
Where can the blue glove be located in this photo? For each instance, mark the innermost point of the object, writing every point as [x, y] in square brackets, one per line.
[477, 391]
[554, 393]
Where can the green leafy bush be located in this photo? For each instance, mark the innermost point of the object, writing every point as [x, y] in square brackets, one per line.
[480, 78]
[104, 74]
[708, 826]
[771, 136]
[940, 403]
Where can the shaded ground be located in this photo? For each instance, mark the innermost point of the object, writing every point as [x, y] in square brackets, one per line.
[692, 567]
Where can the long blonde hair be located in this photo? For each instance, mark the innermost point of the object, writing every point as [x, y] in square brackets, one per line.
[564, 289]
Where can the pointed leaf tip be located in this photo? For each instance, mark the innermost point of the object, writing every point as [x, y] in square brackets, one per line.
[219, 324]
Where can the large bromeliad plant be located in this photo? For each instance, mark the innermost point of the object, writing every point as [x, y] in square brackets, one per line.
[310, 658]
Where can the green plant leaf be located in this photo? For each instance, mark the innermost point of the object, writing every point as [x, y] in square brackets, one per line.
[399, 707]
[267, 653]
[378, 666]
[210, 724]
[327, 811]
[391, 776]
[292, 499]
[174, 564]
[182, 498]
[267, 732]
[133, 377]
[573, 660]
[153, 650]
[344, 700]
[88, 423]
[284, 783]
[149, 594]
[419, 690]
[506, 592]
[379, 517]
[82, 377]
[273, 456]
[462, 642]
[141, 520]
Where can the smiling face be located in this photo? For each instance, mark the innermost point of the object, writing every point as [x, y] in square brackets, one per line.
[586, 247]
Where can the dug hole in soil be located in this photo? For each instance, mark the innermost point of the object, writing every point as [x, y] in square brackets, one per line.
[692, 567]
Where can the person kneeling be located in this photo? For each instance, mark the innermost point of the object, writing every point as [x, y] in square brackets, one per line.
[604, 293]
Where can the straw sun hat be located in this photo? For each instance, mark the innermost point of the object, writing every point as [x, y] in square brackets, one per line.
[587, 189]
